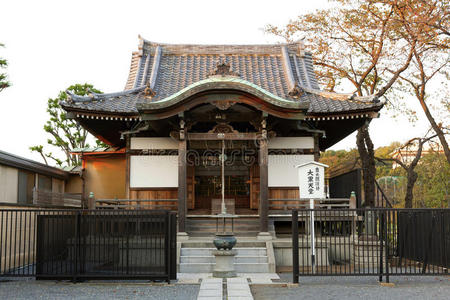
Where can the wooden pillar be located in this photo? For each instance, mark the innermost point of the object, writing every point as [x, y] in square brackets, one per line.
[182, 182]
[84, 199]
[316, 147]
[263, 186]
[127, 171]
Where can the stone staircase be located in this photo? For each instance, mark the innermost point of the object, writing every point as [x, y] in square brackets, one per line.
[251, 257]
[205, 226]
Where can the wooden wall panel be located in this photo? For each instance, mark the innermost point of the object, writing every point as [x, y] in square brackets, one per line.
[254, 186]
[281, 193]
[155, 194]
[190, 183]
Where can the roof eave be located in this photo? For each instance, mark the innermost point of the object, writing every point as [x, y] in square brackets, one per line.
[12, 160]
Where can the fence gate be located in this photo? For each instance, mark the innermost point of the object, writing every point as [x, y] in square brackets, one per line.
[370, 242]
[84, 244]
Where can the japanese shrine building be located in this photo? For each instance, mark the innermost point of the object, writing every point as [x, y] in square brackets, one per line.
[183, 103]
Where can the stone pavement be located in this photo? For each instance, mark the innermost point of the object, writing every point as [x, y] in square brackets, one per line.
[254, 278]
[211, 289]
[237, 288]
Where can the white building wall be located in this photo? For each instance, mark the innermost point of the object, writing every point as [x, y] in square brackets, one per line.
[157, 143]
[306, 142]
[8, 184]
[282, 171]
[153, 171]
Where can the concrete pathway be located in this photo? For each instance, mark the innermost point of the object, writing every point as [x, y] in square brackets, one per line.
[255, 278]
[211, 289]
[238, 289]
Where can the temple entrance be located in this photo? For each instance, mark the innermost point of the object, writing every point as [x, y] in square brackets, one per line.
[206, 180]
[208, 191]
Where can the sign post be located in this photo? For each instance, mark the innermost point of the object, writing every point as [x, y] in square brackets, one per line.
[311, 184]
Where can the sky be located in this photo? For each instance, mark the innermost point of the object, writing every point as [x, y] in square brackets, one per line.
[51, 45]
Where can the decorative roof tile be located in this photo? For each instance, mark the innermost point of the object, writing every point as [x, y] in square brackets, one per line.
[281, 70]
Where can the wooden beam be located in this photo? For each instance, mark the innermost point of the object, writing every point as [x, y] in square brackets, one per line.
[182, 191]
[223, 136]
[224, 116]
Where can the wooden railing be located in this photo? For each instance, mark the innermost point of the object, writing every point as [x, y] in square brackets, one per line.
[169, 204]
[49, 198]
[289, 204]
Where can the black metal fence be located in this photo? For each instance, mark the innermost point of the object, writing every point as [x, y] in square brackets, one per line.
[341, 186]
[84, 244]
[375, 242]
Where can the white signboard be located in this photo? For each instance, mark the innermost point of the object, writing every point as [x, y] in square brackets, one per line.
[311, 180]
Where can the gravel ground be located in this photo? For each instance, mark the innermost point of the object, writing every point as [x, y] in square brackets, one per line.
[414, 287]
[32, 289]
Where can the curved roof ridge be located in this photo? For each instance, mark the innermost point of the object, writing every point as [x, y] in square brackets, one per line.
[342, 96]
[224, 82]
[95, 96]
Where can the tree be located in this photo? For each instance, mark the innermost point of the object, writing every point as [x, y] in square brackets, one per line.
[426, 24]
[356, 42]
[383, 168]
[416, 144]
[65, 134]
[4, 83]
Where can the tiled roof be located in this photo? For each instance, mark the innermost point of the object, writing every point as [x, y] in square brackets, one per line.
[168, 69]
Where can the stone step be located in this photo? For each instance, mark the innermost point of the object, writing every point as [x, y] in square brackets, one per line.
[209, 267]
[236, 220]
[246, 226]
[213, 230]
[199, 224]
[211, 259]
[208, 251]
[211, 233]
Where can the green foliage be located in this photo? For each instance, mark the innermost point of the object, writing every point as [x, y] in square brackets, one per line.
[339, 158]
[385, 168]
[433, 184]
[4, 83]
[65, 134]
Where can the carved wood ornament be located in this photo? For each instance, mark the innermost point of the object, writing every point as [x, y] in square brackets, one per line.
[223, 104]
[223, 128]
[223, 69]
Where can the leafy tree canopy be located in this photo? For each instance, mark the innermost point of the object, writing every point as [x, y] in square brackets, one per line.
[4, 83]
[65, 134]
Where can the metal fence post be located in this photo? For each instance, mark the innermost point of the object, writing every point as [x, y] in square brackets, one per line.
[381, 236]
[386, 255]
[295, 264]
[173, 246]
[77, 245]
[167, 251]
